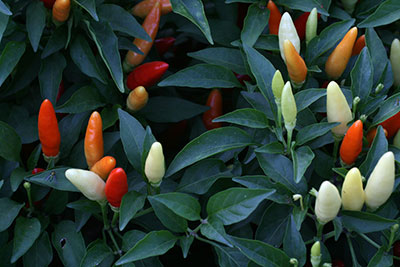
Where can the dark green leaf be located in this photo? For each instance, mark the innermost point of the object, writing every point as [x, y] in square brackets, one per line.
[305, 5]
[54, 178]
[362, 76]
[35, 22]
[214, 230]
[56, 42]
[109, 115]
[230, 257]
[9, 58]
[17, 176]
[40, 254]
[293, 243]
[302, 158]
[246, 117]
[254, 23]
[381, 258]
[185, 242]
[364, 222]
[4, 9]
[9, 150]
[10, 210]
[131, 203]
[70, 128]
[387, 12]
[389, 108]
[50, 76]
[84, 99]
[85, 205]
[96, 254]
[268, 42]
[25, 234]
[378, 54]
[257, 101]
[130, 239]
[305, 98]
[89, 6]
[273, 148]
[313, 131]
[3, 23]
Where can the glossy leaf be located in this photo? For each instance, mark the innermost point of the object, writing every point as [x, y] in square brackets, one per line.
[131, 203]
[254, 24]
[181, 204]
[214, 230]
[9, 150]
[387, 12]
[246, 117]
[302, 158]
[306, 97]
[293, 243]
[9, 58]
[10, 210]
[25, 233]
[306, 5]
[84, 99]
[364, 222]
[168, 217]
[56, 42]
[4, 9]
[96, 254]
[362, 76]
[54, 178]
[389, 108]
[89, 6]
[35, 22]
[313, 131]
[50, 76]
[41, 253]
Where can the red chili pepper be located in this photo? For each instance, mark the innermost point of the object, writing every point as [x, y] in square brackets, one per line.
[146, 75]
[325, 84]
[49, 134]
[300, 24]
[352, 143]
[164, 44]
[116, 187]
[48, 3]
[359, 45]
[242, 77]
[61, 90]
[37, 170]
[214, 101]
[392, 125]
[371, 135]
[274, 18]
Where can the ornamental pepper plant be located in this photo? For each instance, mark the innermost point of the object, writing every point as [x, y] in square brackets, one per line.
[168, 133]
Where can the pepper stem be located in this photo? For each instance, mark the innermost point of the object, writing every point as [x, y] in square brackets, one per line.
[353, 254]
[393, 231]
[115, 217]
[320, 228]
[27, 186]
[335, 148]
[103, 206]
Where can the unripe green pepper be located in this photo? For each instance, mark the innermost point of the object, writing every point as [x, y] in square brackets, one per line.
[328, 202]
[316, 254]
[288, 104]
[311, 25]
[155, 166]
[381, 182]
[277, 86]
[353, 195]
[395, 60]
[88, 182]
[287, 31]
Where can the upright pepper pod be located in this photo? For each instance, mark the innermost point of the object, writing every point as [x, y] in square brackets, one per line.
[89, 183]
[337, 109]
[312, 25]
[49, 133]
[295, 64]
[274, 18]
[328, 202]
[353, 195]
[142, 9]
[94, 149]
[154, 167]
[277, 86]
[380, 183]
[287, 31]
[137, 99]
[150, 25]
[352, 143]
[146, 75]
[338, 59]
[395, 60]
[164, 44]
[359, 45]
[116, 187]
[289, 108]
[315, 254]
[392, 125]
[104, 166]
[61, 9]
[214, 101]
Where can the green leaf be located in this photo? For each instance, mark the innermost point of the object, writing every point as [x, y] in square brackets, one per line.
[68, 243]
[230, 257]
[378, 54]
[254, 23]
[11, 149]
[83, 57]
[89, 6]
[3, 23]
[40, 254]
[389, 108]
[362, 76]
[293, 243]
[35, 22]
[257, 101]
[302, 158]
[10, 210]
[17, 176]
[70, 128]
[226, 57]
[132, 136]
[273, 148]
[153, 244]
[54, 178]
[107, 44]
[158, 109]
[84, 99]
[235, 204]
[246, 117]
[267, 42]
[381, 258]
[4, 9]
[305, 5]
[193, 10]
[214, 230]
[208, 144]
[185, 243]
[310, 132]
[109, 115]
[122, 21]
[56, 42]
[25, 233]
[204, 76]
[387, 12]
[96, 254]
[131, 203]
[181, 204]
[130, 239]
[50, 76]
[364, 222]
[9, 58]
[306, 97]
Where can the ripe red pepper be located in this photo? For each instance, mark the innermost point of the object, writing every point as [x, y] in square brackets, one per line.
[392, 125]
[214, 101]
[164, 44]
[146, 75]
[274, 18]
[49, 133]
[37, 170]
[300, 24]
[116, 187]
[48, 3]
[61, 90]
[352, 143]
[359, 45]
[242, 77]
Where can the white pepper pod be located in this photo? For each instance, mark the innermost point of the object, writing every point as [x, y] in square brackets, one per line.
[88, 182]
[287, 31]
[328, 202]
[353, 195]
[154, 167]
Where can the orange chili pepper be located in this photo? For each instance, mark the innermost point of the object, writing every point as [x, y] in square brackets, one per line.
[49, 134]
[274, 18]
[337, 61]
[61, 9]
[150, 25]
[94, 149]
[143, 8]
[137, 99]
[392, 125]
[214, 101]
[352, 143]
[372, 133]
[104, 166]
[359, 45]
[295, 64]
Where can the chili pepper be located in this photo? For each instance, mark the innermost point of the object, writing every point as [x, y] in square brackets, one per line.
[116, 187]
[359, 45]
[353, 195]
[61, 90]
[287, 31]
[325, 84]
[146, 75]
[380, 183]
[104, 166]
[395, 60]
[328, 202]
[392, 125]
[37, 170]
[143, 8]
[89, 183]
[274, 18]
[61, 9]
[337, 109]
[312, 25]
[371, 135]
[49, 133]
[295, 64]
[164, 44]
[242, 77]
[150, 25]
[352, 143]
[48, 3]
[137, 99]
[154, 167]
[301, 22]
[277, 86]
[349, 5]
[338, 59]
[214, 101]
[289, 109]
[94, 149]
[316, 254]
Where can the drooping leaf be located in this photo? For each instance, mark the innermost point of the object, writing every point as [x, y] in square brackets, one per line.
[35, 22]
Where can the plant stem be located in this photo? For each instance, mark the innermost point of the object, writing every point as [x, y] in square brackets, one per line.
[320, 228]
[353, 254]
[143, 212]
[324, 237]
[115, 218]
[103, 206]
[206, 241]
[289, 138]
[335, 149]
[279, 119]
[114, 242]
[369, 240]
